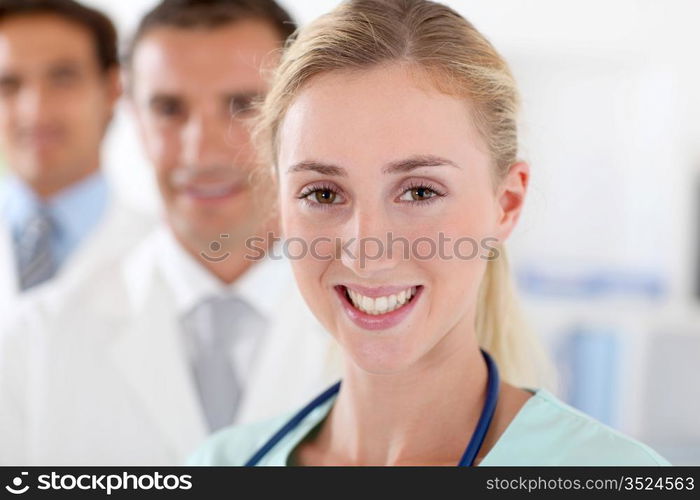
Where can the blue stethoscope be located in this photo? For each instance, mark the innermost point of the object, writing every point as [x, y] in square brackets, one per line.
[469, 455]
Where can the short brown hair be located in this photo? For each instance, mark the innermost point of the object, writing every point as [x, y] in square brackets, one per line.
[98, 24]
[190, 14]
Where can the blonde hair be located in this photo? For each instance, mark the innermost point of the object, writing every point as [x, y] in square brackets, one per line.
[441, 45]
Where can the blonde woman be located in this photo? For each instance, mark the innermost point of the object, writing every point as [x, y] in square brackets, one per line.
[393, 124]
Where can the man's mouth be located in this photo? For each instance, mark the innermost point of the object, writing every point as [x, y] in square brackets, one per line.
[42, 137]
[208, 183]
[212, 191]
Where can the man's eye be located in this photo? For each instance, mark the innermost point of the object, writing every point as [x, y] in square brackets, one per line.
[419, 193]
[167, 108]
[240, 105]
[9, 86]
[64, 78]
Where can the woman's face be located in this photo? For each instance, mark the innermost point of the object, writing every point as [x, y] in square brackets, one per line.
[388, 185]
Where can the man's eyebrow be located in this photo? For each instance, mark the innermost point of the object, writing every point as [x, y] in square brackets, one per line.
[65, 63]
[9, 77]
[417, 161]
[163, 96]
[243, 94]
[315, 166]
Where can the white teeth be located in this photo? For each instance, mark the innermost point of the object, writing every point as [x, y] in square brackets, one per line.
[380, 305]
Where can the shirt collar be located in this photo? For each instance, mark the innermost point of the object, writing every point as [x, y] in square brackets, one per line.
[261, 286]
[78, 208]
[19, 203]
[75, 210]
[264, 284]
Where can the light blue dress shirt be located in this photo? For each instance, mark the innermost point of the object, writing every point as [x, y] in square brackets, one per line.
[76, 211]
[546, 431]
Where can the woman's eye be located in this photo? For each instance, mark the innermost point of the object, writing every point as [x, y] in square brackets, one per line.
[323, 196]
[417, 194]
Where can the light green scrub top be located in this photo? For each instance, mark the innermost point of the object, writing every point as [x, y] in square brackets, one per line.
[546, 431]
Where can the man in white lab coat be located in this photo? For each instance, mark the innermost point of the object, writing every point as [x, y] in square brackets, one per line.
[59, 80]
[137, 364]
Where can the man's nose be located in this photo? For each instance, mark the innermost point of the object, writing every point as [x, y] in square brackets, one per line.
[34, 103]
[204, 142]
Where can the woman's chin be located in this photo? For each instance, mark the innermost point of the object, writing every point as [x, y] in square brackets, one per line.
[380, 356]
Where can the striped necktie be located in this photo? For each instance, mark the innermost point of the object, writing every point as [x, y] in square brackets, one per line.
[35, 260]
[212, 329]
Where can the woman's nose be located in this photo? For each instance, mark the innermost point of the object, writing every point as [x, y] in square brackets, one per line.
[370, 244]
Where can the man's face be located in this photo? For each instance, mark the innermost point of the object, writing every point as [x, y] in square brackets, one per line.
[55, 101]
[191, 90]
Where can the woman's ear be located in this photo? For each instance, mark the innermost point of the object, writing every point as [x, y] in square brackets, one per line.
[511, 198]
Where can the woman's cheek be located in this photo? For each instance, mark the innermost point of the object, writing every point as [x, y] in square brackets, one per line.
[310, 251]
[308, 239]
[456, 265]
[309, 276]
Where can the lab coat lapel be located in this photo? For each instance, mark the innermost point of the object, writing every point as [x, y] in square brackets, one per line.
[118, 231]
[297, 360]
[150, 356]
[9, 290]
[114, 235]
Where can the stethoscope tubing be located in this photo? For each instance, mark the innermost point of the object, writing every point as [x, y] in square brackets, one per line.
[470, 452]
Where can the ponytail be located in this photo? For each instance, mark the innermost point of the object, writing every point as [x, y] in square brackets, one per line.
[502, 331]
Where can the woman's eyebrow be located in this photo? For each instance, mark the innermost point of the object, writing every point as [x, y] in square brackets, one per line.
[395, 167]
[315, 166]
[417, 161]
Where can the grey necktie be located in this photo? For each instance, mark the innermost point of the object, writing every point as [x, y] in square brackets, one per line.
[212, 327]
[35, 260]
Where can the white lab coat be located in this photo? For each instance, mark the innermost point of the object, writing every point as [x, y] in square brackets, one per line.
[112, 385]
[120, 228]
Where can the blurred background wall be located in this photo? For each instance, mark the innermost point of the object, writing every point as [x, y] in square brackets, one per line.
[606, 254]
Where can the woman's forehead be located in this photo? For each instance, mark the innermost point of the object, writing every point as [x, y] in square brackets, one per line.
[374, 115]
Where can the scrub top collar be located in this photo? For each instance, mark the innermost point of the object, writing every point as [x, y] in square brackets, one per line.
[281, 454]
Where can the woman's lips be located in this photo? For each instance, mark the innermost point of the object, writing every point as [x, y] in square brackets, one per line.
[378, 308]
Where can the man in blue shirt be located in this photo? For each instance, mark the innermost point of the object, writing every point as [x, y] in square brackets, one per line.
[59, 83]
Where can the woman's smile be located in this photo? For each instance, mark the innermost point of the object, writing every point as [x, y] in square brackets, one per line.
[378, 308]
